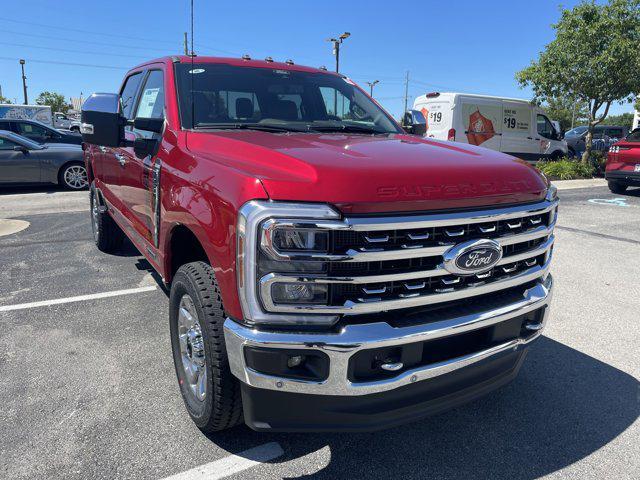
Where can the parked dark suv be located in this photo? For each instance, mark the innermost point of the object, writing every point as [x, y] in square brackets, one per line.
[39, 132]
[609, 134]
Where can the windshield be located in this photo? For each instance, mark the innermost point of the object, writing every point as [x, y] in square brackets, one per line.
[226, 96]
[575, 132]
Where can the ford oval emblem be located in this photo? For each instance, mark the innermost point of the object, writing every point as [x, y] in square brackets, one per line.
[472, 257]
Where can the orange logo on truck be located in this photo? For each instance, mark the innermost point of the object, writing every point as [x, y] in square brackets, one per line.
[480, 129]
[425, 112]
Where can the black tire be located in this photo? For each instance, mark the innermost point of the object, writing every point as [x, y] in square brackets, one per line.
[107, 235]
[617, 188]
[73, 176]
[555, 156]
[221, 407]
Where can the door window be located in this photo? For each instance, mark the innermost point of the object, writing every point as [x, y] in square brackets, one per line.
[7, 144]
[151, 104]
[335, 103]
[34, 132]
[545, 128]
[128, 94]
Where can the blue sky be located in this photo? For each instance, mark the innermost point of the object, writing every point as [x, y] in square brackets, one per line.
[466, 46]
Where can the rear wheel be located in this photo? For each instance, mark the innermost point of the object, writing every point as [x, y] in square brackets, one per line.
[616, 187]
[73, 176]
[106, 233]
[210, 392]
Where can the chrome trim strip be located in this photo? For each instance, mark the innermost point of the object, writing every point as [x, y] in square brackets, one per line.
[402, 223]
[341, 346]
[447, 219]
[396, 277]
[402, 253]
[354, 308]
[250, 216]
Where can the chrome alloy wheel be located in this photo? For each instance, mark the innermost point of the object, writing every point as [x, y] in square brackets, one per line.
[192, 348]
[75, 177]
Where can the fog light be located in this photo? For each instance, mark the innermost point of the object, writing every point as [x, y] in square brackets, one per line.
[299, 293]
[295, 361]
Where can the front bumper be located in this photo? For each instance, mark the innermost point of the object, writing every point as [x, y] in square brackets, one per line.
[269, 401]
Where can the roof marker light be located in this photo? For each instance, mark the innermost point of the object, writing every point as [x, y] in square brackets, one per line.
[246, 57]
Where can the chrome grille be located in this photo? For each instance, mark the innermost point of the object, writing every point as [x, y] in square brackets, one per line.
[386, 263]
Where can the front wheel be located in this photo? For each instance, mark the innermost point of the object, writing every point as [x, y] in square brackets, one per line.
[210, 391]
[617, 188]
[73, 176]
[106, 233]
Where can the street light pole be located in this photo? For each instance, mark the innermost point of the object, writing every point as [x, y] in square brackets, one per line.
[336, 47]
[371, 85]
[24, 83]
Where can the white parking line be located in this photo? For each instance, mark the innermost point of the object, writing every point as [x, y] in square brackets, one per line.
[232, 464]
[80, 298]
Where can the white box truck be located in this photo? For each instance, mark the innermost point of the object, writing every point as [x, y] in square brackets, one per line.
[508, 125]
[39, 113]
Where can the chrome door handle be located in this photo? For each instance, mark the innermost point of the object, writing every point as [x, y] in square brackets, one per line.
[121, 159]
[103, 149]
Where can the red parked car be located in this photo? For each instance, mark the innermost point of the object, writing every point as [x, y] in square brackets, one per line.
[327, 270]
[623, 163]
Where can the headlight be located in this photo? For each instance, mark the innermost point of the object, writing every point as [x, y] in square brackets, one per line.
[278, 245]
[300, 240]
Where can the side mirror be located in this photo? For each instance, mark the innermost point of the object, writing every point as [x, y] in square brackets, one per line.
[102, 123]
[414, 123]
[154, 125]
[20, 148]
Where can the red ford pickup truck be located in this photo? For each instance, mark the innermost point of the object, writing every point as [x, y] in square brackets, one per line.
[327, 271]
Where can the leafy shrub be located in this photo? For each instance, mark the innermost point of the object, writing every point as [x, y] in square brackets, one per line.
[565, 169]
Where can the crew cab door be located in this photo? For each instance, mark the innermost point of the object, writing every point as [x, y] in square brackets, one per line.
[137, 174]
[109, 170]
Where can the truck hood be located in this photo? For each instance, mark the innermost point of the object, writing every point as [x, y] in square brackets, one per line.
[371, 174]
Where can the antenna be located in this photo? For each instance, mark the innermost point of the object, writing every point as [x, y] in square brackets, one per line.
[193, 104]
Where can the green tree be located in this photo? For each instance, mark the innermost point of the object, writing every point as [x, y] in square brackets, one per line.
[594, 58]
[56, 101]
[624, 120]
[570, 112]
[4, 99]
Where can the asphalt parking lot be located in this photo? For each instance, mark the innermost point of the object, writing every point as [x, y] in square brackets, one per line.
[88, 390]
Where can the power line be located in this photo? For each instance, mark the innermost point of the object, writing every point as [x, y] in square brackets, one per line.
[68, 50]
[73, 64]
[77, 30]
[51, 37]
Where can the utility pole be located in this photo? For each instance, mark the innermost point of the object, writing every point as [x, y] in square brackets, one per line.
[186, 44]
[24, 83]
[573, 113]
[371, 85]
[406, 92]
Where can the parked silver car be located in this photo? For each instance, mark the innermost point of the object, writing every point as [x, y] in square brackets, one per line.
[24, 162]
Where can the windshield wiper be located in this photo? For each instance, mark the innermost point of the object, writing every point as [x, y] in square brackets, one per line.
[347, 128]
[264, 127]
